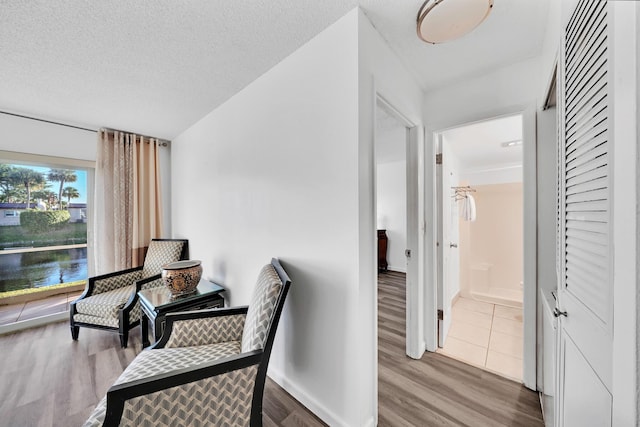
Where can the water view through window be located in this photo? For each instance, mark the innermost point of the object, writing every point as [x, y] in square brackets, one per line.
[46, 268]
[43, 226]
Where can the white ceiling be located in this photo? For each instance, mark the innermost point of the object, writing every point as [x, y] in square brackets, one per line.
[479, 146]
[513, 31]
[156, 68]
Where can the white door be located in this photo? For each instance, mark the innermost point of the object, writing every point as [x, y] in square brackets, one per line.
[448, 243]
[415, 240]
[584, 306]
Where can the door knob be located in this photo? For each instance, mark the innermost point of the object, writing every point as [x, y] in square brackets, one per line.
[453, 245]
[558, 313]
[407, 253]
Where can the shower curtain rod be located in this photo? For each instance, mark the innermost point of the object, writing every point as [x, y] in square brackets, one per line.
[163, 142]
[460, 193]
[466, 188]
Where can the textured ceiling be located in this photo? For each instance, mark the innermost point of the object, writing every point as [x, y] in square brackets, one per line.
[158, 67]
[150, 67]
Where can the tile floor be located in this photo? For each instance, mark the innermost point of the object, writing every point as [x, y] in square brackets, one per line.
[486, 335]
[32, 309]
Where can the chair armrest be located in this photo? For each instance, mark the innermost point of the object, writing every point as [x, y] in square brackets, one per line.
[120, 393]
[203, 327]
[108, 282]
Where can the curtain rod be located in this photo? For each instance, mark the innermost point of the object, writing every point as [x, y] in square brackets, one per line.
[48, 121]
[163, 141]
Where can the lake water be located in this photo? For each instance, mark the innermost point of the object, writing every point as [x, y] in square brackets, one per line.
[39, 269]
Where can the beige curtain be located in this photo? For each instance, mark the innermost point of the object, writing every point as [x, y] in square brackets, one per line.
[128, 204]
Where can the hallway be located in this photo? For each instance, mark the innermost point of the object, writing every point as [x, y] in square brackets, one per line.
[437, 390]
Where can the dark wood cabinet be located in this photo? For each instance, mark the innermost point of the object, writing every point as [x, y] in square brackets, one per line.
[382, 250]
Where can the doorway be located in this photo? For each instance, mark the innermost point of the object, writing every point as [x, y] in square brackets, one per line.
[391, 219]
[479, 182]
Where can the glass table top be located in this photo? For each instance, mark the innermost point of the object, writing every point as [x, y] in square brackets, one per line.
[161, 297]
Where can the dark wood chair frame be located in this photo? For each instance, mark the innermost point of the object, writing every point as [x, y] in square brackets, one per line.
[118, 394]
[124, 326]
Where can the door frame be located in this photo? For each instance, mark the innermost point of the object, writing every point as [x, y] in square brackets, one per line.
[529, 185]
[414, 147]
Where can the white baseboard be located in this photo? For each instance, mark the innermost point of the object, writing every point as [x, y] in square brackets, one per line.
[397, 269]
[32, 323]
[310, 403]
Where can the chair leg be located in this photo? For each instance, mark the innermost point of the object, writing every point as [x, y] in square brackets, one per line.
[75, 330]
[124, 338]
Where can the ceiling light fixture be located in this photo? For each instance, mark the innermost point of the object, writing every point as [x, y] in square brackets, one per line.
[440, 21]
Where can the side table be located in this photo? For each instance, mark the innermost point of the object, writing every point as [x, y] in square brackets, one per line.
[157, 302]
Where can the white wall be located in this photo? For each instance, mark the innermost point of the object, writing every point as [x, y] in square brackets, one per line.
[22, 135]
[488, 176]
[273, 173]
[40, 138]
[379, 70]
[392, 210]
[508, 89]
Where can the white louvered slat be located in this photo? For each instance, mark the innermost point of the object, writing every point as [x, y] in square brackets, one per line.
[593, 270]
[588, 236]
[586, 173]
[588, 216]
[596, 227]
[585, 177]
[594, 248]
[596, 184]
[584, 362]
[595, 195]
[590, 127]
[596, 100]
[589, 149]
[587, 165]
[576, 29]
[583, 59]
[600, 205]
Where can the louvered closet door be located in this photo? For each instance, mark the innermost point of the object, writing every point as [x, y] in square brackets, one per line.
[585, 294]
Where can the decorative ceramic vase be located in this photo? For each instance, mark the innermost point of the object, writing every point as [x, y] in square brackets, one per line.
[182, 277]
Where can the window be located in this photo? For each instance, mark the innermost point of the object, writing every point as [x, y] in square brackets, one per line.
[43, 232]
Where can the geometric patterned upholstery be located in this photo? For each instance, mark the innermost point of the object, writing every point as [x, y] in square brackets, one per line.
[106, 296]
[106, 304]
[160, 252]
[261, 308]
[202, 332]
[216, 395]
[115, 282]
[178, 405]
[163, 360]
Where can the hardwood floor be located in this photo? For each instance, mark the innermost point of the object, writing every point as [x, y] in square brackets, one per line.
[49, 380]
[437, 390]
[46, 379]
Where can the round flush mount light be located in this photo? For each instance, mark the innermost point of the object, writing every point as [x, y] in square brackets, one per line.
[440, 21]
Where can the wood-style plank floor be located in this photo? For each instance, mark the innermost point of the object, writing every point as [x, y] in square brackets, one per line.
[46, 379]
[437, 390]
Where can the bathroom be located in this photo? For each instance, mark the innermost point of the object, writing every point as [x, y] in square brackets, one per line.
[481, 191]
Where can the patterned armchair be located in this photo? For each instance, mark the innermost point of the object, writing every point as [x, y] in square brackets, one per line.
[208, 369]
[110, 301]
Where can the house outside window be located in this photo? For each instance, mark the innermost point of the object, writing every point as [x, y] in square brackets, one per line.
[33, 256]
